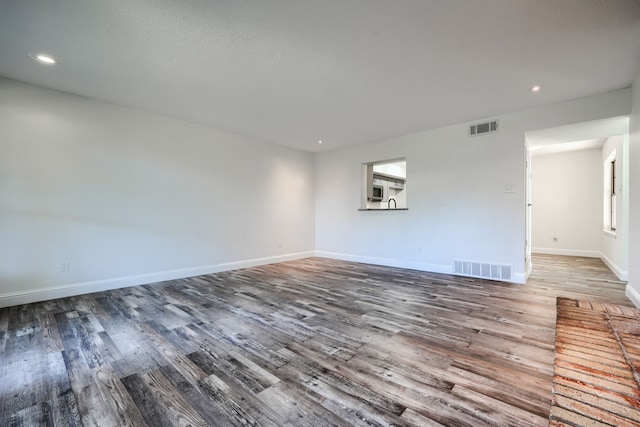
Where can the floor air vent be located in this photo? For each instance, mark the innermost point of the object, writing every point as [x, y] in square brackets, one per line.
[483, 270]
[482, 128]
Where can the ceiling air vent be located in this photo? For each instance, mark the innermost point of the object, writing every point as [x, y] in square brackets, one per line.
[482, 128]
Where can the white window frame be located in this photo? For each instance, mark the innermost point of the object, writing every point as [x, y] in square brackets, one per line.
[610, 197]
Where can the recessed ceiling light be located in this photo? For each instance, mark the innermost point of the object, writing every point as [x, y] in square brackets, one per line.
[536, 88]
[319, 142]
[44, 58]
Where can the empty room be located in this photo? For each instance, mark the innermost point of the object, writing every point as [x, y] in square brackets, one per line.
[319, 213]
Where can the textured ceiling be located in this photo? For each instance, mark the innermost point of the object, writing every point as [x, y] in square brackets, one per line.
[343, 71]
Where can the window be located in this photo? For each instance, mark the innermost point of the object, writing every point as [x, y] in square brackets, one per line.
[610, 196]
[384, 185]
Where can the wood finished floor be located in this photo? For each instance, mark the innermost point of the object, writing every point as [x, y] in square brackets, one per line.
[313, 342]
[597, 362]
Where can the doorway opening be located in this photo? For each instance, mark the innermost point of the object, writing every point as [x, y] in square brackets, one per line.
[571, 199]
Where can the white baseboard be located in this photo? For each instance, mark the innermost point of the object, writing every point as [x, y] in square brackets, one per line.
[633, 295]
[528, 267]
[399, 263]
[387, 262]
[567, 252]
[621, 274]
[43, 294]
[519, 278]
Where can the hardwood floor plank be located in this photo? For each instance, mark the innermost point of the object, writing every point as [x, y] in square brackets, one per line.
[620, 407]
[586, 411]
[207, 408]
[317, 342]
[173, 355]
[50, 333]
[497, 411]
[292, 409]
[120, 403]
[4, 328]
[601, 389]
[521, 398]
[175, 405]
[238, 406]
[348, 404]
[152, 410]
[91, 408]
[416, 419]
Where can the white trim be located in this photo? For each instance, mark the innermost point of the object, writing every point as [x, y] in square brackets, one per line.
[399, 263]
[633, 295]
[35, 295]
[610, 233]
[387, 262]
[567, 252]
[519, 278]
[621, 274]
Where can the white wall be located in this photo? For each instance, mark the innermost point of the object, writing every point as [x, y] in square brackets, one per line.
[633, 288]
[457, 207]
[615, 243]
[566, 202]
[129, 197]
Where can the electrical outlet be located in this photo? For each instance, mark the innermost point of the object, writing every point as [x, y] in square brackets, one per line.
[507, 188]
[555, 238]
[64, 266]
[419, 250]
[279, 245]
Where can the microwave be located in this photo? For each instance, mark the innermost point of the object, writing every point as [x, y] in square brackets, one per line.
[377, 193]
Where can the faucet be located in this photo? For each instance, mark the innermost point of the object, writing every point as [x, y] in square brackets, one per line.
[389, 203]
